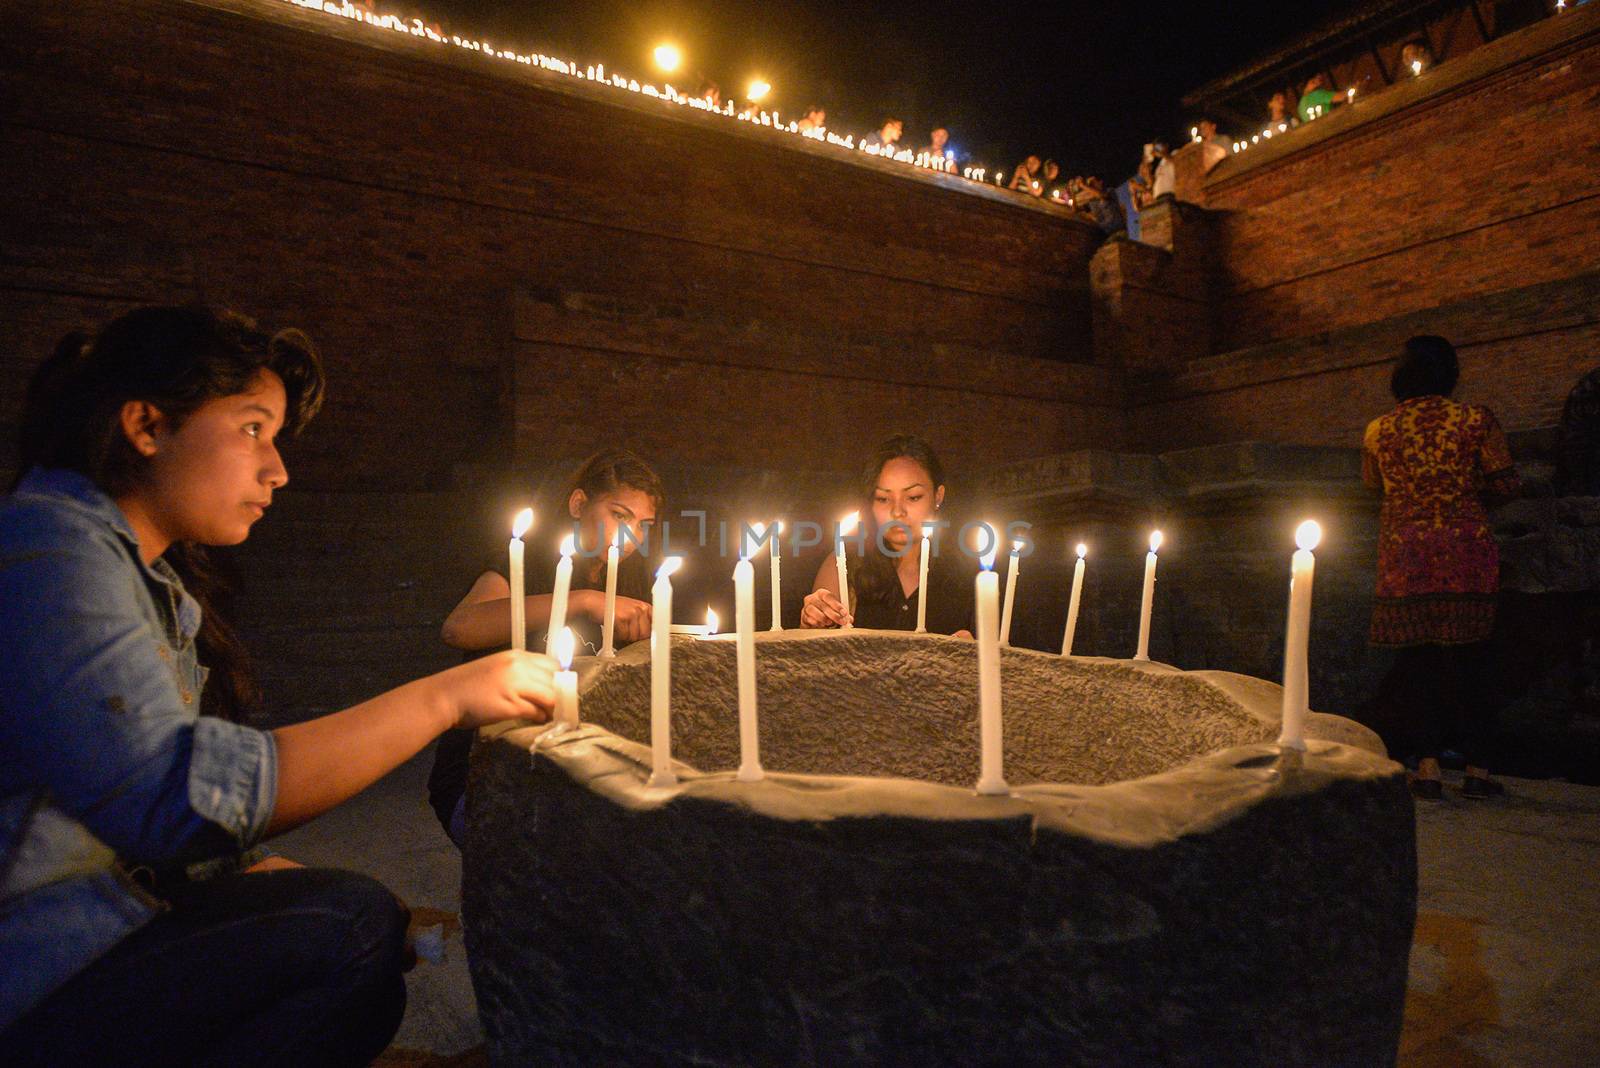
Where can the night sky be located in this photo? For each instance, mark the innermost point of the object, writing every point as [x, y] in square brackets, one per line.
[1084, 83]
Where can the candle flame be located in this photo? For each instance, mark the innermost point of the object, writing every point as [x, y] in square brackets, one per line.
[1083, 550]
[669, 567]
[754, 541]
[1155, 540]
[520, 525]
[616, 538]
[758, 89]
[563, 647]
[1017, 546]
[986, 558]
[928, 527]
[711, 621]
[848, 524]
[1308, 534]
[569, 545]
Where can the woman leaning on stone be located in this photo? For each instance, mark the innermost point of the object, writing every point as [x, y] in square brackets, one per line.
[1436, 462]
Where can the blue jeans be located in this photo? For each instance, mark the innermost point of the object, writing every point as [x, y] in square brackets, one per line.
[299, 966]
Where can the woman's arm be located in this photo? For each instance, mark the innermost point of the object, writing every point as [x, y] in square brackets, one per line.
[482, 620]
[1501, 483]
[327, 760]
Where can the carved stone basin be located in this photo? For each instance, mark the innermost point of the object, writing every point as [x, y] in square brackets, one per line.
[1162, 887]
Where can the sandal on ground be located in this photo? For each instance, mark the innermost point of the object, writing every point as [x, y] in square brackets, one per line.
[1427, 789]
[1480, 786]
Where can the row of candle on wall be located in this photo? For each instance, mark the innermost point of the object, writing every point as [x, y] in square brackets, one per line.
[596, 73]
[1314, 112]
[993, 632]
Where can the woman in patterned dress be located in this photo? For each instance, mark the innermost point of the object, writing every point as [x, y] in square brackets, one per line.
[1438, 567]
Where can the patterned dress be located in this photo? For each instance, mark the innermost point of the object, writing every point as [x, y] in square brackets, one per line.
[1438, 567]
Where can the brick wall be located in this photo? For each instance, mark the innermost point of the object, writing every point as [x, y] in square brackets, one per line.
[1464, 203]
[713, 294]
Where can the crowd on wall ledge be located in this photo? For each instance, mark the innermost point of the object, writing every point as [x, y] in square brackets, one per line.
[1115, 212]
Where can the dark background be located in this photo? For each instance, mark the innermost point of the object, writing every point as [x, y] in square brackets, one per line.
[1084, 83]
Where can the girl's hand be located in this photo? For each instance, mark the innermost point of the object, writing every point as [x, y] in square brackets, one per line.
[967, 634]
[822, 610]
[506, 685]
[633, 620]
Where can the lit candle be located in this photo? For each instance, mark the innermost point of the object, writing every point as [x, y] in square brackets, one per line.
[661, 674]
[922, 583]
[558, 601]
[847, 526]
[991, 778]
[1149, 597]
[519, 591]
[1072, 601]
[1011, 594]
[608, 628]
[777, 579]
[566, 679]
[1296, 682]
[744, 621]
[711, 622]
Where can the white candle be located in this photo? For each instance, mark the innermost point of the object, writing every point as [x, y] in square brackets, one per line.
[847, 526]
[1011, 594]
[1148, 599]
[609, 627]
[566, 680]
[558, 601]
[519, 586]
[744, 617]
[777, 579]
[991, 777]
[922, 583]
[1072, 602]
[661, 674]
[1296, 680]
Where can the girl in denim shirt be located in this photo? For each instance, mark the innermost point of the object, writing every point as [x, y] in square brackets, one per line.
[140, 445]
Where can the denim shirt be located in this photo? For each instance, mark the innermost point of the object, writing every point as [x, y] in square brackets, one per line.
[103, 754]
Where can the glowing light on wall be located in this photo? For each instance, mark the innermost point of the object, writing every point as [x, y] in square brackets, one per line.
[668, 57]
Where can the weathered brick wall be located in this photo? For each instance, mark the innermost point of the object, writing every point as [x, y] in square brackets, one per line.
[724, 296]
[1464, 203]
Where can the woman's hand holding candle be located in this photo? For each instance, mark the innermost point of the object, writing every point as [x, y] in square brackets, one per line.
[822, 610]
[633, 616]
[501, 686]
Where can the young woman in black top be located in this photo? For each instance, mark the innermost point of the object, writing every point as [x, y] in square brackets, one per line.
[610, 490]
[904, 486]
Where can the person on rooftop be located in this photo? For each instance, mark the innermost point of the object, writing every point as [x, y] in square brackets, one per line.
[1028, 177]
[1214, 148]
[1166, 175]
[1279, 114]
[886, 138]
[1318, 99]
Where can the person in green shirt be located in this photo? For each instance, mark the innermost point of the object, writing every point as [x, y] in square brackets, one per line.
[1318, 99]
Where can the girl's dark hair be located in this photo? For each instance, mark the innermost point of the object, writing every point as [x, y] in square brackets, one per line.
[1428, 367]
[876, 581]
[175, 359]
[609, 470]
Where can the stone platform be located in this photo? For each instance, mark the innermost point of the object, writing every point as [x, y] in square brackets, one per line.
[1162, 886]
